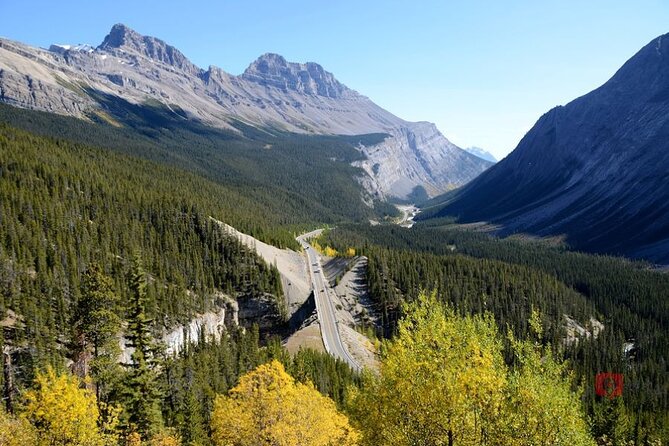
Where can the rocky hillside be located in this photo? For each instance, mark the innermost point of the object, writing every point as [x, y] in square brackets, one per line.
[271, 93]
[595, 170]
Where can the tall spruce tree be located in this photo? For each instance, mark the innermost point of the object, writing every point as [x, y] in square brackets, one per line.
[142, 390]
[97, 325]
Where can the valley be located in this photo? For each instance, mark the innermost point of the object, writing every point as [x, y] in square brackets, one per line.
[327, 319]
[408, 212]
[183, 250]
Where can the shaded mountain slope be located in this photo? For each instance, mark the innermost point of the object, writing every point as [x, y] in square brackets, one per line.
[293, 181]
[595, 170]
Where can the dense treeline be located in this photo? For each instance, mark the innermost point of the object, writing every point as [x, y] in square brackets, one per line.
[295, 181]
[442, 380]
[509, 277]
[65, 207]
[610, 282]
[59, 411]
[94, 244]
[474, 286]
[194, 378]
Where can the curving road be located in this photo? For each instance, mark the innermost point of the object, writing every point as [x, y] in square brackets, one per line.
[324, 306]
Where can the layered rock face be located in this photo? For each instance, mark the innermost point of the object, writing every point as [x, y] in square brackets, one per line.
[271, 93]
[595, 170]
[423, 157]
[272, 70]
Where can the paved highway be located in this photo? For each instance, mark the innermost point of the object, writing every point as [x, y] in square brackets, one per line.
[324, 306]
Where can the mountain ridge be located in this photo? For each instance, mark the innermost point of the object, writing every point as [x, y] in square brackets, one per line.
[271, 93]
[123, 38]
[307, 78]
[594, 170]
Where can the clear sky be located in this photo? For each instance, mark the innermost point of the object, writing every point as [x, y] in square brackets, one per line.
[483, 71]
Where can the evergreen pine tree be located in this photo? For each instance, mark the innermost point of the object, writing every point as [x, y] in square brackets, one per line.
[142, 391]
[97, 324]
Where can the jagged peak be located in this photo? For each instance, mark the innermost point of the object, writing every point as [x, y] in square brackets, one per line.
[116, 37]
[121, 37]
[272, 70]
[271, 59]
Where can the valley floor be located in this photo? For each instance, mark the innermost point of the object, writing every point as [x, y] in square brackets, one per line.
[349, 298]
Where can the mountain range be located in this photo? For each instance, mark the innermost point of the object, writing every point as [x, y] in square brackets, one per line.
[272, 94]
[481, 153]
[595, 171]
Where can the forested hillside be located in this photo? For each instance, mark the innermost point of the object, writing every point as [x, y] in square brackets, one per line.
[65, 207]
[95, 244]
[476, 273]
[295, 180]
[443, 380]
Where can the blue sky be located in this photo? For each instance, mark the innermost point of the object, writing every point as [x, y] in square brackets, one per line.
[483, 71]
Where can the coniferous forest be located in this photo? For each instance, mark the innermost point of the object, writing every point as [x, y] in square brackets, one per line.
[110, 236]
[476, 273]
[95, 244]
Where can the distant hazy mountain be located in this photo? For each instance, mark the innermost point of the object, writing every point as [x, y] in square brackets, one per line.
[596, 169]
[271, 93]
[481, 153]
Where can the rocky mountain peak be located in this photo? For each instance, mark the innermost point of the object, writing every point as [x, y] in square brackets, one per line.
[269, 62]
[123, 38]
[119, 36]
[272, 93]
[481, 153]
[272, 70]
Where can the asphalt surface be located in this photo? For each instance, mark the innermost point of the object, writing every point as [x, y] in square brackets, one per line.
[324, 306]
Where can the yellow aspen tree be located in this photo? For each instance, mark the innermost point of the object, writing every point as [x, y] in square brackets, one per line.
[442, 381]
[16, 431]
[543, 407]
[317, 246]
[165, 438]
[268, 407]
[63, 413]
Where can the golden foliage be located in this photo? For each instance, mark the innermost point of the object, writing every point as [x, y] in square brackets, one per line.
[65, 414]
[317, 246]
[166, 438]
[443, 381]
[440, 379]
[268, 407]
[15, 431]
[133, 439]
[327, 251]
[350, 252]
[543, 409]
